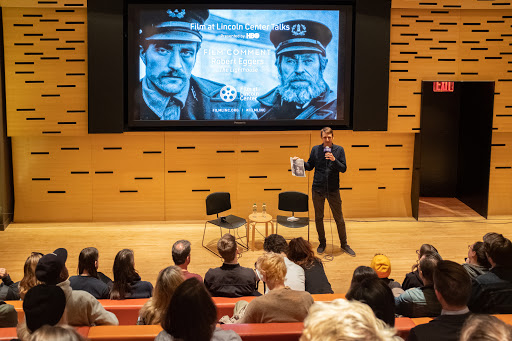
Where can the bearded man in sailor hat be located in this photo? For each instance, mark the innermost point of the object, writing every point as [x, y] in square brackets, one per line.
[300, 60]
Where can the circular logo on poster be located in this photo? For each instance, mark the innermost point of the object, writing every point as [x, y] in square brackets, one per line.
[228, 93]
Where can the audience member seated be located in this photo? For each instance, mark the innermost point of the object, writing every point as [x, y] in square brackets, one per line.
[127, 282]
[345, 320]
[8, 315]
[231, 279]
[192, 316]
[413, 279]
[281, 303]
[82, 309]
[492, 292]
[361, 273]
[29, 279]
[295, 277]
[452, 287]
[88, 278]
[8, 289]
[56, 333]
[377, 295]
[476, 264]
[301, 253]
[421, 302]
[43, 305]
[153, 310]
[181, 258]
[485, 328]
[382, 266]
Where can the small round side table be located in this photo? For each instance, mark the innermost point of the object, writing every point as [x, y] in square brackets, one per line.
[256, 218]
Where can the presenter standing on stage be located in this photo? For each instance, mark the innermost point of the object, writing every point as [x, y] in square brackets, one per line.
[328, 160]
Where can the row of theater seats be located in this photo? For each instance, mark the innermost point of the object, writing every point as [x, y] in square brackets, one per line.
[127, 312]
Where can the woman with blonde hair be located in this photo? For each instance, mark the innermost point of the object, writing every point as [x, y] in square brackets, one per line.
[280, 304]
[29, 279]
[56, 333]
[153, 311]
[345, 320]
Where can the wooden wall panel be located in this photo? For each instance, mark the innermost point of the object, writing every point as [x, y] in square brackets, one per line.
[52, 179]
[167, 176]
[500, 185]
[128, 180]
[45, 71]
[448, 44]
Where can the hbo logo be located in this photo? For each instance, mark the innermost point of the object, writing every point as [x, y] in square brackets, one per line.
[253, 35]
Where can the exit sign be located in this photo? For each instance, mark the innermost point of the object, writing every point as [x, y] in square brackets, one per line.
[443, 86]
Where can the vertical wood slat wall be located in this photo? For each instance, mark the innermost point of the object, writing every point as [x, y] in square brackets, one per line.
[63, 174]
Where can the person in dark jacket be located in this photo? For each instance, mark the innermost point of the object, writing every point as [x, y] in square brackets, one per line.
[328, 160]
[492, 292]
[413, 279]
[301, 253]
[476, 264]
[127, 282]
[231, 279]
[88, 278]
[377, 295]
[452, 287]
[8, 289]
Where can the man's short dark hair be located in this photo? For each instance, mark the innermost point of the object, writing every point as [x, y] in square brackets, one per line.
[227, 247]
[275, 243]
[180, 251]
[428, 264]
[500, 250]
[327, 131]
[452, 281]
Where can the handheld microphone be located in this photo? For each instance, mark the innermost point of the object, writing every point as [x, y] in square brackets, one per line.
[327, 149]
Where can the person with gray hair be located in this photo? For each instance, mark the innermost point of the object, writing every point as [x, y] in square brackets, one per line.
[181, 257]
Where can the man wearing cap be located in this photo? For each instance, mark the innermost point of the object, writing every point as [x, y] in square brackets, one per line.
[170, 41]
[43, 305]
[301, 61]
[82, 309]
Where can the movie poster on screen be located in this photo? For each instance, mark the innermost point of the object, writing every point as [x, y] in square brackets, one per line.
[233, 73]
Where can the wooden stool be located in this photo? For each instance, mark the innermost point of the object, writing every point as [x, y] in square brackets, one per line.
[256, 218]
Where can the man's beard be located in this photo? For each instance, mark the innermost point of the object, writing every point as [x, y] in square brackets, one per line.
[301, 95]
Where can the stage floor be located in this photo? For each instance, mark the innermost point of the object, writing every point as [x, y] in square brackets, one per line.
[398, 238]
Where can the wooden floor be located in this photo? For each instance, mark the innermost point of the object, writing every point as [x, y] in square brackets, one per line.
[444, 207]
[152, 241]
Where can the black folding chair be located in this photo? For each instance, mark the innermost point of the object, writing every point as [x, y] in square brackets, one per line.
[219, 202]
[293, 202]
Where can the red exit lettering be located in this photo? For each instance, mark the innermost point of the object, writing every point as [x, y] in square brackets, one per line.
[443, 86]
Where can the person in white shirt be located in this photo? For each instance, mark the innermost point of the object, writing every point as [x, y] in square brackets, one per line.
[295, 277]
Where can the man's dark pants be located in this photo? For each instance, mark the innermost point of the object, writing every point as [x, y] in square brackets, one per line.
[334, 200]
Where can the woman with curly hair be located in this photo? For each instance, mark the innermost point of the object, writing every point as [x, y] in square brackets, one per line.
[301, 253]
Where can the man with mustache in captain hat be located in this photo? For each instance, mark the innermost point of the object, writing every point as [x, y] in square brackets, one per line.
[169, 43]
